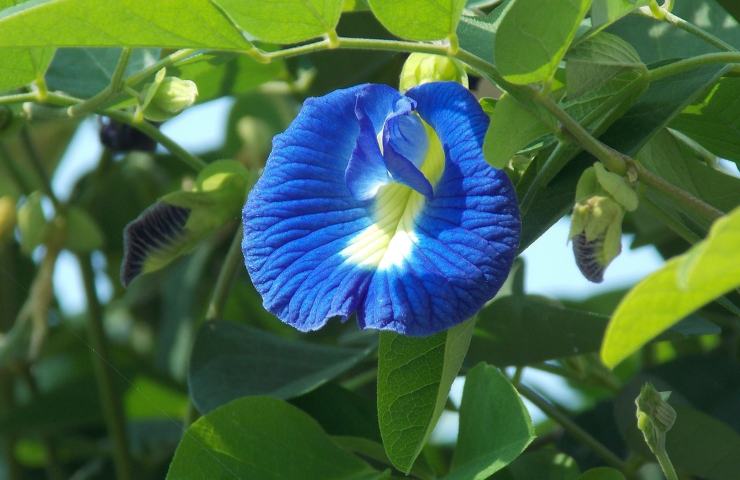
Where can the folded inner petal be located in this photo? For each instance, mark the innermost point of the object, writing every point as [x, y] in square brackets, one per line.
[391, 238]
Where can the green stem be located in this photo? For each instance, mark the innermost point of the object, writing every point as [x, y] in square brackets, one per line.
[680, 196]
[571, 427]
[689, 27]
[165, 62]
[692, 63]
[109, 396]
[145, 127]
[151, 131]
[38, 165]
[95, 102]
[232, 262]
[666, 465]
[18, 98]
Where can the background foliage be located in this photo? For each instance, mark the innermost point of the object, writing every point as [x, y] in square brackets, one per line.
[183, 375]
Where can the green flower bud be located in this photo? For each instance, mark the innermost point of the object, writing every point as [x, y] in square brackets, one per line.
[655, 416]
[7, 217]
[617, 187]
[167, 96]
[421, 68]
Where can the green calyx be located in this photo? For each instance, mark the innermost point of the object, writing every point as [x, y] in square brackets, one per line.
[601, 200]
[421, 68]
[655, 417]
[167, 96]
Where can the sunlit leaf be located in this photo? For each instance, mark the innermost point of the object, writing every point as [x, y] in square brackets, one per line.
[534, 36]
[512, 128]
[92, 23]
[286, 21]
[684, 284]
[414, 379]
[419, 19]
[251, 436]
[21, 66]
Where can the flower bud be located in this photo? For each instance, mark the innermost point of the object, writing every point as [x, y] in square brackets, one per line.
[421, 68]
[655, 416]
[167, 96]
[596, 231]
[7, 217]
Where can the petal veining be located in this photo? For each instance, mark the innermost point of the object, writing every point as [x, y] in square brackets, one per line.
[413, 234]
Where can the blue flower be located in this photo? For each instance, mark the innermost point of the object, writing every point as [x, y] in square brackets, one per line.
[381, 204]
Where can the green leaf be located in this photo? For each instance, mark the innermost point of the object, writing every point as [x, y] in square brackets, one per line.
[286, 21]
[662, 101]
[606, 12]
[258, 438]
[477, 35]
[534, 36]
[414, 379]
[544, 464]
[219, 74]
[595, 62]
[495, 427]
[231, 361]
[512, 128]
[670, 158]
[714, 121]
[658, 41]
[82, 233]
[419, 19]
[83, 72]
[31, 222]
[21, 66]
[518, 330]
[683, 285]
[602, 473]
[92, 23]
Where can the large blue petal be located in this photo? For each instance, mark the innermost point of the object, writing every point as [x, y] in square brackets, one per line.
[301, 220]
[300, 213]
[466, 236]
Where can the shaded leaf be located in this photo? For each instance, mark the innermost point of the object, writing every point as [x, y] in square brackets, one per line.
[219, 74]
[494, 425]
[656, 41]
[258, 438]
[714, 121]
[83, 72]
[545, 464]
[602, 473]
[597, 61]
[82, 233]
[21, 66]
[683, 285]
[231, 361]
[414, 379]
[32, 223]
[606, 12]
